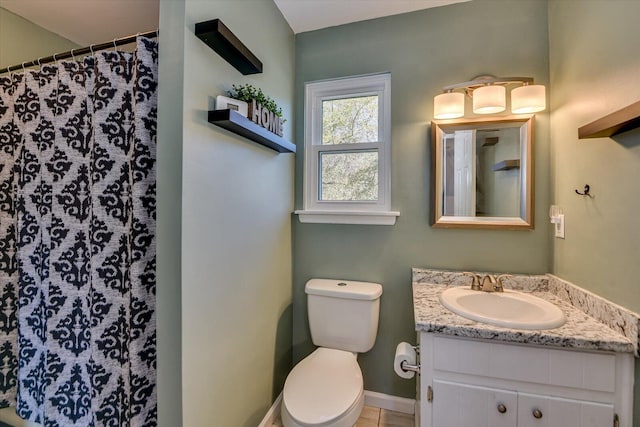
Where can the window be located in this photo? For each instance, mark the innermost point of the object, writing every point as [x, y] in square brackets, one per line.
[348, 151]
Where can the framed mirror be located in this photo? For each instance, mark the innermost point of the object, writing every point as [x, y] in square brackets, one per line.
[482, 173]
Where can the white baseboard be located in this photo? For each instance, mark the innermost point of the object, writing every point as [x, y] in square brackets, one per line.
[371, 398]
[272, 413]
[390, 403]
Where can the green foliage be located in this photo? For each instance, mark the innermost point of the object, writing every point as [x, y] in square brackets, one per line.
[248, 92]
[350, 176]
[350, 120]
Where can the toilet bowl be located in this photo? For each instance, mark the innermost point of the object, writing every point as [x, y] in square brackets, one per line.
[324, 389]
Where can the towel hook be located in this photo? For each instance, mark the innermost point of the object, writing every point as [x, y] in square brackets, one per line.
[585, 191]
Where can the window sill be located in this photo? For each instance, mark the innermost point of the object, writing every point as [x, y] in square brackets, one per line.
[348, 217]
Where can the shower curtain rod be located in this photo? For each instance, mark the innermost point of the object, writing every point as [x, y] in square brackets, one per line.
[79, 51]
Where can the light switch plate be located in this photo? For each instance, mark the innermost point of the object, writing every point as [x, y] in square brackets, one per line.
[559, 227]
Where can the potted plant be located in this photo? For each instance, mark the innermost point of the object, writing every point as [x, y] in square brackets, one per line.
[262, 109]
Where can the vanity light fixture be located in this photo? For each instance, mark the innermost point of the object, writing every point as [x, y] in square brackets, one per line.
[489, 97]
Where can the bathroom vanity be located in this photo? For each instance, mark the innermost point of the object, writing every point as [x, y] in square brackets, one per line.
[481, 383]
[477, 375]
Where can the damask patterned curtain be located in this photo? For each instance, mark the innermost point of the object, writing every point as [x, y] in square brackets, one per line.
[77, 240]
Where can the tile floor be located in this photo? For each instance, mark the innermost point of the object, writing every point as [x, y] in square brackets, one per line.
[376, 417]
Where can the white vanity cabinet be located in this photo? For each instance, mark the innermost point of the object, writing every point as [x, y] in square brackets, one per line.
[482, 383]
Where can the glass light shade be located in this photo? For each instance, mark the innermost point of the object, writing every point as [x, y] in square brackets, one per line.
[448, 105]
[528, 99]
[489, 99]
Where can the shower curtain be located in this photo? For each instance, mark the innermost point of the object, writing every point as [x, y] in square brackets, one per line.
[77, 240]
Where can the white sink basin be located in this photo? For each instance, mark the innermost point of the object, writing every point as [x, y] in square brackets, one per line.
[510, 309]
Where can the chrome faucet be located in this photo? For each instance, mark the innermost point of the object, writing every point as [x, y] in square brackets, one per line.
[486, 283]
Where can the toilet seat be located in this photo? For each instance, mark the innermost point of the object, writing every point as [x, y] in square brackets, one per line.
[325, 388]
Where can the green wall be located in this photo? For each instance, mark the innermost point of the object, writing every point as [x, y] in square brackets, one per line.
[423, 51]
[169, 214]
[592, 75]
[237, 198]
[22, 40]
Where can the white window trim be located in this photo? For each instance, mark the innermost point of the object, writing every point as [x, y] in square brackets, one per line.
[336, 212]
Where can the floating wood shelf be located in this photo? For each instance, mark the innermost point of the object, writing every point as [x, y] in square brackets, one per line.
[621, 121]
[218, 37]
[505, 165]
[240, 125]
[492, 140]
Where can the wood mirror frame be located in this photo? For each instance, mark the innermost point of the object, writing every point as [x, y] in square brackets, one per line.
[525, 220]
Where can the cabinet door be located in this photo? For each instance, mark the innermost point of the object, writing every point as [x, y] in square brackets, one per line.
[460, 405]
[545, 411]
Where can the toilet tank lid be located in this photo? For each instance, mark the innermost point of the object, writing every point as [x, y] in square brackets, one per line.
[349, 289]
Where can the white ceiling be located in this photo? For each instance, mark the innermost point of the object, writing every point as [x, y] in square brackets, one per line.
[88, 22]
[308, 15]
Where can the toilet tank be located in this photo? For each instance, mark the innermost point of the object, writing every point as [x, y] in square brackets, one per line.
[343, 314]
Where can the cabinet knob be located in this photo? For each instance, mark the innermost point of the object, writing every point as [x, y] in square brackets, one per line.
[537, 413]
[502, 409]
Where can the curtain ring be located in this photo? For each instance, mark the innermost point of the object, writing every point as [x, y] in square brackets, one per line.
[39, 64]
[115, 46]
[23, 68]
[73, 56]
[157, 32]
[55, 59]
[91, 49]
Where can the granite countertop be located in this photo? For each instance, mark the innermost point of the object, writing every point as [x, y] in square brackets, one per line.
[581, 331]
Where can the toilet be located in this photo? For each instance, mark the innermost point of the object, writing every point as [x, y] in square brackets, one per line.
[326, 388]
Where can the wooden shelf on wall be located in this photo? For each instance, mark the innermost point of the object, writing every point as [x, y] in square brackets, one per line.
[506, 165]
[218, 37]
[492, 140]
[240, 125]
[622, 120]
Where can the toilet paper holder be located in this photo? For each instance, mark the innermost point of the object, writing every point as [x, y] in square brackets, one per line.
[407, 367]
